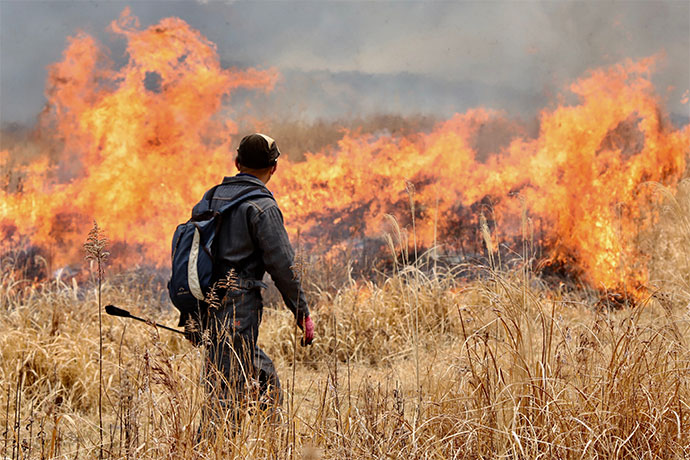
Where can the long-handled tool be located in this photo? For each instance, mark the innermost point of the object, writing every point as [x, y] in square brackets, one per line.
[112, 310]
[115, 311]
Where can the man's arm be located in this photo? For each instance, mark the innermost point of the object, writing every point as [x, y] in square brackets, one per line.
[279, 257]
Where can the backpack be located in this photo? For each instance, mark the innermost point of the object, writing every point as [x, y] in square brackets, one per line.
[193, 253]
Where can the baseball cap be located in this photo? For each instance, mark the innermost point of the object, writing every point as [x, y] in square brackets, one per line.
[257, 151]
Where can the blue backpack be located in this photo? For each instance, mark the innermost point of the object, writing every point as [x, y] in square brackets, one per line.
[193, 253]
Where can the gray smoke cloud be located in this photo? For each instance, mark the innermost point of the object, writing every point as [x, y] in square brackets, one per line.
[356, 58]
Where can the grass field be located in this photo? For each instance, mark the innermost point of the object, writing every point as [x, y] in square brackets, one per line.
[422, 363]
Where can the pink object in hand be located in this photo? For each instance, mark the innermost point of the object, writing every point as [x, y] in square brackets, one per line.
[308, 328]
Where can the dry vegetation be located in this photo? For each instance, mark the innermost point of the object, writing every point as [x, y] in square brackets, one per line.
[300, 137]
[420, 364]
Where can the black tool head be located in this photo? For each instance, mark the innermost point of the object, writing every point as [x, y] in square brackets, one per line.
[114, 311]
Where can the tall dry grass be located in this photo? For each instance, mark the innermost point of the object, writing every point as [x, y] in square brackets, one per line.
[418, 364]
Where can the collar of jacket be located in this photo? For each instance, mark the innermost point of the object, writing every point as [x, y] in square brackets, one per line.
[243, 178]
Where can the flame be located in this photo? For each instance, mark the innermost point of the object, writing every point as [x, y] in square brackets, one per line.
[137, 146]
[581, 177]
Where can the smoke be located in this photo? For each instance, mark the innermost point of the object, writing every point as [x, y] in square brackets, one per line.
[358, 58]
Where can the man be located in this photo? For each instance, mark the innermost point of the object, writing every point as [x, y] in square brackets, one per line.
[251, 241]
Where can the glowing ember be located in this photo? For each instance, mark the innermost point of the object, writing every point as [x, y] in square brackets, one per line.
[141, 144]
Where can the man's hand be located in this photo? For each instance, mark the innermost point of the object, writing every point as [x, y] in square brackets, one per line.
[307, 325]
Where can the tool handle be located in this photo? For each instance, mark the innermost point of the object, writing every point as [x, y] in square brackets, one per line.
[115, 311]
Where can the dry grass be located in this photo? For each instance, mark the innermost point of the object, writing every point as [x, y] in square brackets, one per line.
[507, 368]
[298, 137]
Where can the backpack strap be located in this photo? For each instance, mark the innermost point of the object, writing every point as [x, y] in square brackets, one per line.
[209, 194]
[202, 210]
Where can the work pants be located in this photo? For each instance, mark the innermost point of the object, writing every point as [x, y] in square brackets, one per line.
[238, 374]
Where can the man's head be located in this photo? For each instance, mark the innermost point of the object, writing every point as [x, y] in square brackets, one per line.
[257, 155]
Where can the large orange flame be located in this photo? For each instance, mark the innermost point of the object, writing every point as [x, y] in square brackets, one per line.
[140, 144]
[137, 144]
[581, 177]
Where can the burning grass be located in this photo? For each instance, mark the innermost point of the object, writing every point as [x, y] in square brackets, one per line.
[577, 170]
[507, 367]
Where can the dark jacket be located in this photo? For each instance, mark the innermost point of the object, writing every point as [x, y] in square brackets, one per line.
[252, 240]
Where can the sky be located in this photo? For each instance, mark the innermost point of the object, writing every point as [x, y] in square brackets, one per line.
[345, 59]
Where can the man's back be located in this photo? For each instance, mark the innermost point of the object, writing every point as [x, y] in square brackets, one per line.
[252, 240]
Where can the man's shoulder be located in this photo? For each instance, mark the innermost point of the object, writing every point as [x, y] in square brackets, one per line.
[261, 204]
[236, 186]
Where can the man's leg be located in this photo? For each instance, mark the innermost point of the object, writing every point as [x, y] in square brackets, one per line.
[267, 376]
[228, 367]
[230, 359]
